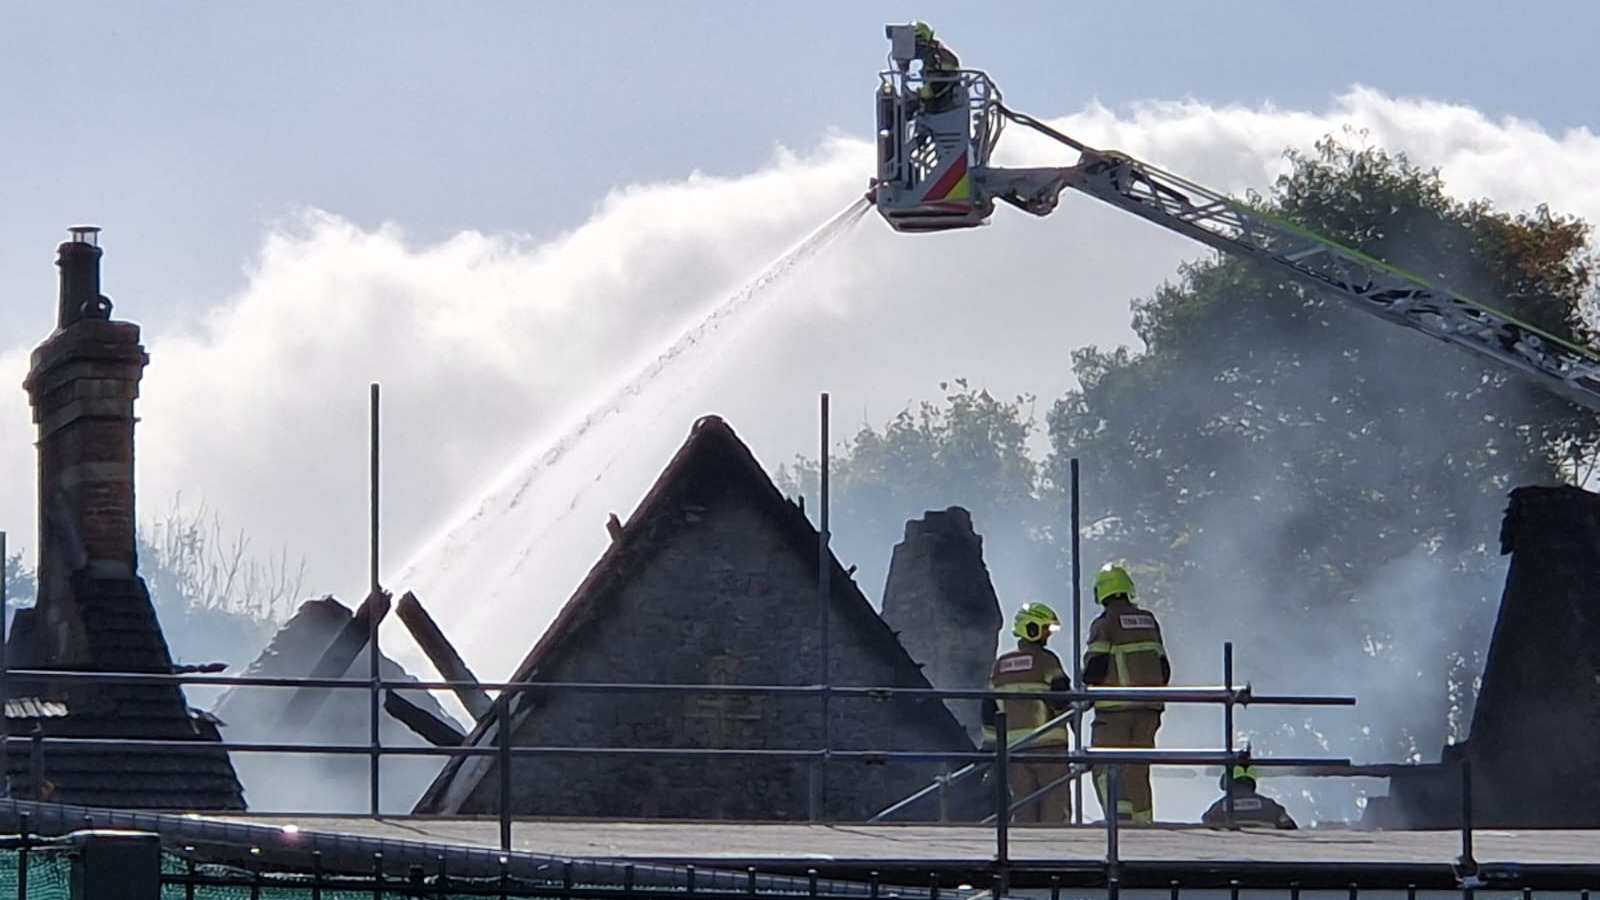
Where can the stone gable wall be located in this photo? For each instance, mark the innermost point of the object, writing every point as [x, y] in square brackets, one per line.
[727, 601]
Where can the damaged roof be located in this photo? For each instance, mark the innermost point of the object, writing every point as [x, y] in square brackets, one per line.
[712, 450]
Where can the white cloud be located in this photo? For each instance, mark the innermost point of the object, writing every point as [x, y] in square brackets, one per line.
[484, 343]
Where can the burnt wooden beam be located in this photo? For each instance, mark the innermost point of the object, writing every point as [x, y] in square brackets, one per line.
[427, 726]
[443, 655]
[335, 661]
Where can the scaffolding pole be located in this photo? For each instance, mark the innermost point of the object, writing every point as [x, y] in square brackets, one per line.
[373, 671]
[1077, 637]
[819, 770]
[5, 663]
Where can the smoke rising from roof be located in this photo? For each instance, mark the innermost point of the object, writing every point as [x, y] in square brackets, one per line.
[484, 343]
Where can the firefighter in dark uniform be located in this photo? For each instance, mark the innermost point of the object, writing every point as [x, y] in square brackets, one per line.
[1250, 809]
[938, 92]
[1032, 669]
[1124, 649]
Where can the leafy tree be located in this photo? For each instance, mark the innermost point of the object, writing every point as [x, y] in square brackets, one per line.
[1279, 469]
[1320, 485]
[18, 582]
[970, 451]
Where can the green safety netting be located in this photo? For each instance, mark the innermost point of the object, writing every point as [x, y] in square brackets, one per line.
[48, 872]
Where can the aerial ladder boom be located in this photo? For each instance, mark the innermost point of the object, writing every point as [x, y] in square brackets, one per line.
[937, 129]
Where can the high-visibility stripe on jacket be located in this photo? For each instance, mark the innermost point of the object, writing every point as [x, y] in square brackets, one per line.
[1131, 637]
[1125, 808]
[1029, 669]
[1250, 810]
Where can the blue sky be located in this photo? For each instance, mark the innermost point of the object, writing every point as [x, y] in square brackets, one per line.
[183, 126]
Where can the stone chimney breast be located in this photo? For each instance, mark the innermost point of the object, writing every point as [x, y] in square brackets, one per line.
[940, 600]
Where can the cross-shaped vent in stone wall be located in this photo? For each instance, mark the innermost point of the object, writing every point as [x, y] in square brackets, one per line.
[721, 712]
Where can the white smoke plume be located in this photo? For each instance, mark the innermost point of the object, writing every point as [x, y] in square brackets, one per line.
[488, 344]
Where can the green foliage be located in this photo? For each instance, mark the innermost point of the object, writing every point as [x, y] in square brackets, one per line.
[20, 581]
[1276, 457]
[970, 451]
[1279, 469]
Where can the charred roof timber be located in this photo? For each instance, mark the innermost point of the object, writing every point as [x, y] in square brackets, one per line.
[79, 260]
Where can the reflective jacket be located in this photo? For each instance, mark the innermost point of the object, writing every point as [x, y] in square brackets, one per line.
[1124, 643]
[1029, 669]
[937, 60]
[1250, 810]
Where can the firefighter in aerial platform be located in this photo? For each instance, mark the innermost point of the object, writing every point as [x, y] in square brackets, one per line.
[939, 67]
[1032, 668]
[1124, 649]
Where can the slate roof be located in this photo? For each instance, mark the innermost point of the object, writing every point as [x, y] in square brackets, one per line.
[712, 449]
[120, 634]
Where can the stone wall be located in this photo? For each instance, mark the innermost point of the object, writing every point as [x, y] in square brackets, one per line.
[1537, 719]
[940, 601]
[1536, 724]
[726, 599]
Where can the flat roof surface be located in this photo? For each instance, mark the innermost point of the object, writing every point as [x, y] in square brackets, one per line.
[745, 842]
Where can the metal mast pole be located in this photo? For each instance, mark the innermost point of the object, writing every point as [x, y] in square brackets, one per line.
[372, 588]
[819, 771]
[1077, 637]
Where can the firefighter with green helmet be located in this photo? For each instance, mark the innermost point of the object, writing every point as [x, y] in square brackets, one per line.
[1032, 668]
[940, 66]
[1250, 809]
[1124, 649]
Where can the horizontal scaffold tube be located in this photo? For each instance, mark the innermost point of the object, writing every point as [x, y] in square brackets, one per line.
[1093, 757]
[1198, 694]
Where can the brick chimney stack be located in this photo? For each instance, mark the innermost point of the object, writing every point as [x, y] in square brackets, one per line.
[94, 612]
[82, 384]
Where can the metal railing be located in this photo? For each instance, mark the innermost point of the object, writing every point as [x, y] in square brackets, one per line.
[36, 867]
[1466, 869]
[1080, 760]
[503, 747]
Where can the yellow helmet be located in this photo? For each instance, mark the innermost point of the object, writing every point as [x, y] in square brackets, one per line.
[1035, 622]
[924, 31]
[1112, 580]
[1240, 773]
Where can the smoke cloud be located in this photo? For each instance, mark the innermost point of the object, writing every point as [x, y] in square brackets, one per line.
[489, 346]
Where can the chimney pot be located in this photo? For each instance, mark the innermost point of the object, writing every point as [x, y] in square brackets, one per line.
[79, 261]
